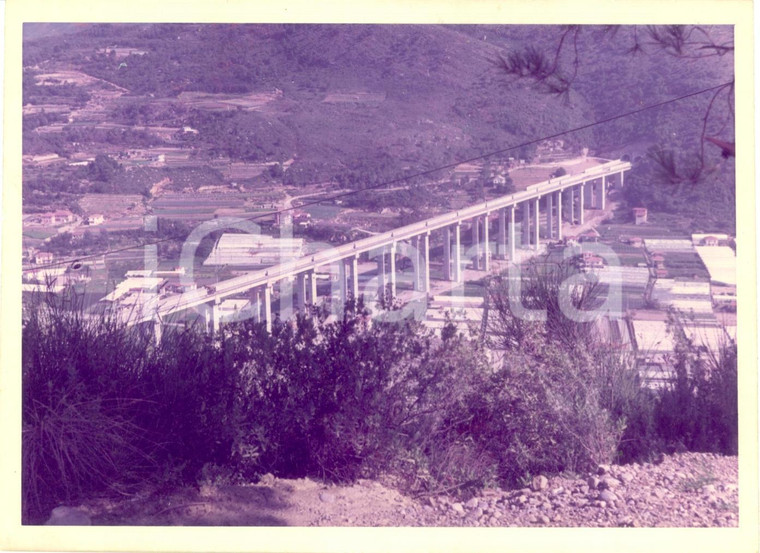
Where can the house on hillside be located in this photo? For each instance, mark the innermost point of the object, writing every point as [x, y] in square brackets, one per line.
[63, 216]
[712, 239]
[590, 235]
[640, 215]
[43, 258]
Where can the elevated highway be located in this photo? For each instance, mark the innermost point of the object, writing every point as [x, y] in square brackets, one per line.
[580, 191]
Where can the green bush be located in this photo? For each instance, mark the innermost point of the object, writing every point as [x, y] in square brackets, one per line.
[346, 399]
[105, 409]
[699, 409]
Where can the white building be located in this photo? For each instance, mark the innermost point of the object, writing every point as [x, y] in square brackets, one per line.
[254, 250]
[684, 295]
[720, 262]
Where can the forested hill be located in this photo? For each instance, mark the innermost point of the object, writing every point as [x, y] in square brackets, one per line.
[375, 99]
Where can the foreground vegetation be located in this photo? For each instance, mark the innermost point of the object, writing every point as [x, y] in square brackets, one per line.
[106, 410]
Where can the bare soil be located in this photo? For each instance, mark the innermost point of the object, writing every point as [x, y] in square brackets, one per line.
[684, 490]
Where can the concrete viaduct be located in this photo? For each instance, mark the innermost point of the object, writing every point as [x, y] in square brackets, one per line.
[575, 192]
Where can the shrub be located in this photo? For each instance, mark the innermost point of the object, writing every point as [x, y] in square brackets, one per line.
[699, 409]
[80, 380]
[346, 399]
[104, 408]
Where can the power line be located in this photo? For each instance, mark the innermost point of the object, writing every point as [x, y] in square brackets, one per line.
[403, 178]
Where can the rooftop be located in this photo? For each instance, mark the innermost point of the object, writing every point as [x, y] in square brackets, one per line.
[720, 262]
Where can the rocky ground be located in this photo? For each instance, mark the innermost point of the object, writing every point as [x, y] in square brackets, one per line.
[683, 490]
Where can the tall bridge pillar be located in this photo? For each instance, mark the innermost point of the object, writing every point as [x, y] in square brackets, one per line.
[559, 214]
[572, 205]
[476, 243]
[550, 216]
[426, 255]
[536, 226]
[354, 266]
[382, 277]
[457, 253]
[512, 234]
[501, 240]
[526, 223]
[486, 245]
[393, 269]
[447, 253]
[301, 292]
[268, 305]
[581, 202]
[422, 268]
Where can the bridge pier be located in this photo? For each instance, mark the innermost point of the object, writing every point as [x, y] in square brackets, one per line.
[476, 242]
[157, 330]
[549, 216]
[537, 225]
[512, 234]
[572, 205]
[486, 244]
[559, 214]
[601, 189]
[526, 224]
[501, 235]
[426, 254]
[581, 202]
[393, 269]
[447, 253]
[457, 253]
[211, 316]
[268, 305]
[381, 275]
[422, 268]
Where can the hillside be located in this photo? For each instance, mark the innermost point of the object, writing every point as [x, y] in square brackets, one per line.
[361, 104]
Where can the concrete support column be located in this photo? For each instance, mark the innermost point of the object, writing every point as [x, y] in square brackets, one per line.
[572, 205]
[343, 272]
[215, 316]
[550, 216]
[157, 331]
[257, 305]
[417, 267]
[622, 178]
[501, 249]
[354, 262]
[268, 305]
[426, 254]
[536, 226]
[476, 242]
[486, 249]
[393, 270]
[512, 234]
[447, 273]
[559, 215]
[457, 253]
[301, 291]
[286, 298]
[602, 189]
[382, 275]
[313, 287]
[526, 224]
[581, 203]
